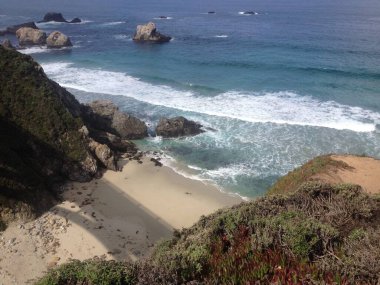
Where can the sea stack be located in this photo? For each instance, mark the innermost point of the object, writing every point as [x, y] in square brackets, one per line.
[148, 33]
[58, 40]
[57, 17]
[29, 36]
[177, 127]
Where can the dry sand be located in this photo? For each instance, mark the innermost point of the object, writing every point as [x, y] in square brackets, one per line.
[119, 216]
[363, 171]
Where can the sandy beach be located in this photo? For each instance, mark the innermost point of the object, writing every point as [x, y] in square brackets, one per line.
[119, 216]
[363, 171]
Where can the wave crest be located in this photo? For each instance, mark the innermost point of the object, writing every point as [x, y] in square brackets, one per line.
[257, 107]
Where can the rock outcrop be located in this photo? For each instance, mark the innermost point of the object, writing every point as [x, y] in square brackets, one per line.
[44, 139]
[13, 29]
[148, 33]
[7, 44]
[53, 17]
[177, 127]
[75, 21]
[104, 154]
[58, 40]
[105, 116]
[57, 17]
[29, 36]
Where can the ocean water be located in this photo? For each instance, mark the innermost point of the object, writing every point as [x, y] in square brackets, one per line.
[298, 79]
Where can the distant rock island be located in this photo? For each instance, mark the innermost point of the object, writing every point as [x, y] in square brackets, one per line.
[57, 17]
[149, 33]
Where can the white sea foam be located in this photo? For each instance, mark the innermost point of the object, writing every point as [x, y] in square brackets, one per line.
[245, 13]
[230, 172]
[53, 23]
[122, 37]
[113, 23]
[221, 36]
[42, 49]
[32, 50]
[279, 107]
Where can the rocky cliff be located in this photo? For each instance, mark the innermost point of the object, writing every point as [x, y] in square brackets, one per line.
[44, 139]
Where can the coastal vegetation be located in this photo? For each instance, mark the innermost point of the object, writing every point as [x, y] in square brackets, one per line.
[319, 233]
[307, 172]
[304, 232]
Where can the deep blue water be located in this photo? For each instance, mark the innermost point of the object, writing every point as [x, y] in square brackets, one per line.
[299, 79]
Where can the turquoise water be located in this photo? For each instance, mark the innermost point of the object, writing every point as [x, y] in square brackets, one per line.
[299, 79]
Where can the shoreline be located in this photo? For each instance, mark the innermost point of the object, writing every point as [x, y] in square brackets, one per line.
[119, 216]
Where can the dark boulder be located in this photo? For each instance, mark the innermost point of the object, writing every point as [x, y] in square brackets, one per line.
[249, 13]
[12, 29]
[177, 127]
[105, 116]
[148, 33]
[75, 20]
[53, 17]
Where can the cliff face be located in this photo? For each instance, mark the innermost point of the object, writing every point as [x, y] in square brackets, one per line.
[43, 139]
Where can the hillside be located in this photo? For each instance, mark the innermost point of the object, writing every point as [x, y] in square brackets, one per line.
[333, 169]
[44, 139]
[320, 233]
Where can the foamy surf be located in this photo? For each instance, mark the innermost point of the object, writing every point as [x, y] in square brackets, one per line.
[113, 23]
[256, 107]
[192, 172]
[221, 36]
[248, 13]
[33, 50]
[122, 37]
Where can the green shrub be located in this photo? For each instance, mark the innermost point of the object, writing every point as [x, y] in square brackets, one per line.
[92, 272]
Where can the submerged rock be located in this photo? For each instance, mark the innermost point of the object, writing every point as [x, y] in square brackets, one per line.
[75, 20]
[29, 36]
[148, 33]
[249, 13]
[176, 127]
[57, 40]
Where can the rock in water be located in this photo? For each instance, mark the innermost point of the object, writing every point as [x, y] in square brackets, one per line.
[148, 33]
[12, 29]
[53, 17]
[29, 36]
[250, 13]
[176, 127]
[57, 40]
[75, 20]
[7, 44]
[105, 116]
